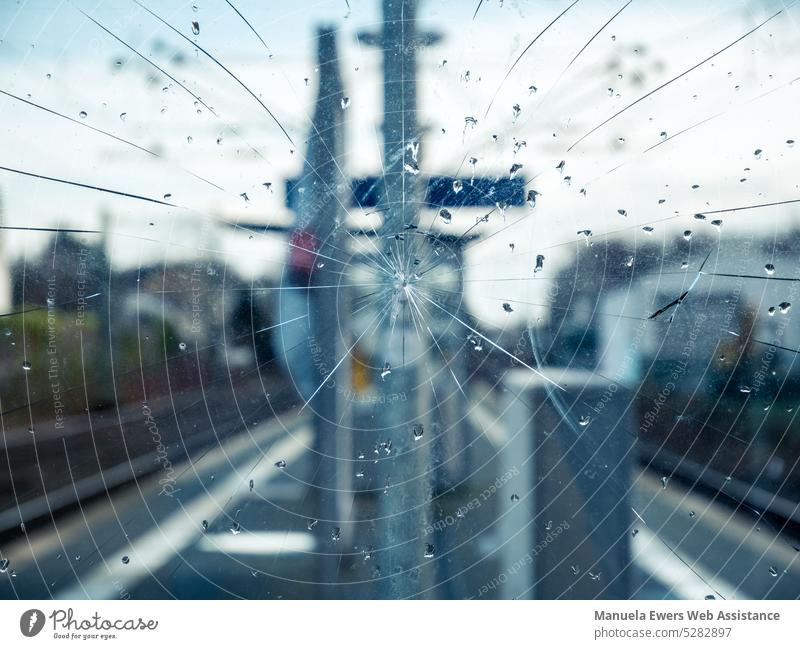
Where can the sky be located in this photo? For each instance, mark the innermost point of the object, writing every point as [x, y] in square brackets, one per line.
[53, 55]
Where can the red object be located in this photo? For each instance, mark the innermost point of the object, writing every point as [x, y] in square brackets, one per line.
[302, 251]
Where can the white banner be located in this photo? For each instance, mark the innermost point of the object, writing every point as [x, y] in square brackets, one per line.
[397, 624]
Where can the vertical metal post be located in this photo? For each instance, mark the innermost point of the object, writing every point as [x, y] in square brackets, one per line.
[320, 210]
[402, 507]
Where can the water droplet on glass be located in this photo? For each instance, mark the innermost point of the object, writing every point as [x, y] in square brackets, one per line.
[195, 28]
[236, 528]
[126, 560]
[664, 480]
[418, 431]
[507, 307]
[648, 229]
[82, 114]
[757, 154]
[634, 532]
[336, 534]
[4, 565]
[457, 186]
[204, 525]
[560, 166]
[516, 110]
[584, 420]
[445, 215]
[717, 223]
[622, 212]
[281, 464]
[251, 485]
[514, 170]
[772, 571]
[575, 569]
[769, 269]
[784, 307]
[311, 524]
[531, 197]
[514, 498]
[430, 551]
[691, 514]
[771, 311]
[26, 365]
[182, 346]
[548, 526]
[687, 234]
[345, 103]
[387, 369]
[744, 389]
[539, 264]
[411, 167]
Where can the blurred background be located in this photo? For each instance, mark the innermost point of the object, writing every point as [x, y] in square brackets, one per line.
[399, 299]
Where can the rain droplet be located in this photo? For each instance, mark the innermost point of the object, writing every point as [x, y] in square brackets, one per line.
[126, 560]
[411, 167]
[312, 523]
[507, 307]
[622, 212]
[281, 464]
[445, 215]
[26, 365]
[236, 528]
[182, 346]
[514, 170]
[345, 103]
[387, 369]
[252, 484]
[457, 186]
[744, 389]
[539, 264]
[195, 28]
[648, 229]
[336, 534]
[514, 498]
[560, 166]
[687, 234]
[516, 110]
[82, 114]
[584, 420]
[784, 307]
[531, 197]
[4, 564]
[204, 525]
[691, 514]
[771, 311]
[418, 431]
[548, 526]
[575, 569]
[757, 154]
[717, 223]
[769, 269]
[122, 116]
[430, 551]
[664, 480]
[772, 571]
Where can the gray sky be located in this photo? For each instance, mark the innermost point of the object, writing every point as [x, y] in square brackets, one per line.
[746, 91]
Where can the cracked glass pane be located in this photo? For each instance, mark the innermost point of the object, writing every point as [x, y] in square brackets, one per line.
[391, 299]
